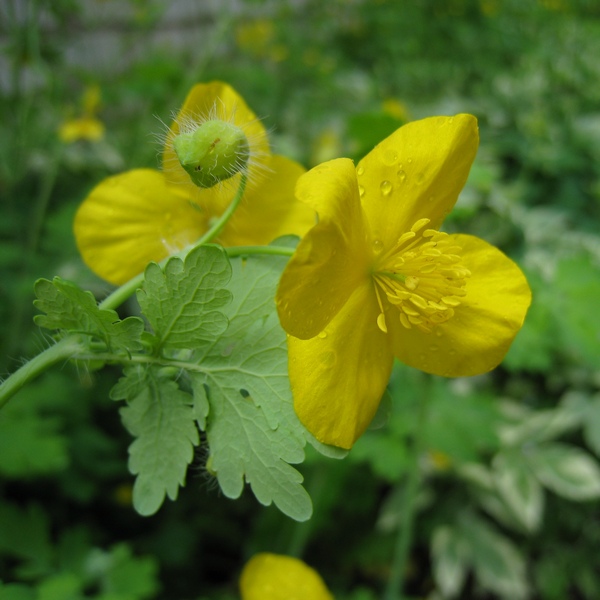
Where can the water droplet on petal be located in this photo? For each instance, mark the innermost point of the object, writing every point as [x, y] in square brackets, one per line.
[361, 190]
[360, 170]
[329, 358]
[390, 157]
[377, 246]
[401, 176]
[386, 187]
[322, 335]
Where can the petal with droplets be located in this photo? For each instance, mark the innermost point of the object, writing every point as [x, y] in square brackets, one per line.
[427, 163]
[484, 324]
[339, 376]
[332, 259]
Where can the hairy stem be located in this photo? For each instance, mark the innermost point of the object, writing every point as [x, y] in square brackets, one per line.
[127, 289]
[59, 352]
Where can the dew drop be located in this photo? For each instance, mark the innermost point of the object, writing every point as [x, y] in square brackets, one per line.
[360, 170]
[390, 157]
[329, 358]
[361, 190]
[409, 160]
[386, 187]
[434, 348]
[401, 176]
[377, 246]
[438, 332]
[322, 335]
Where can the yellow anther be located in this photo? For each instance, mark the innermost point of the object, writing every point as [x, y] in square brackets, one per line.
[381, 323]
[420, 224]
[422, 276]
[411, 282]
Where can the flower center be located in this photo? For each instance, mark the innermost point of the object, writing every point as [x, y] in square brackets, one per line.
[422, 275]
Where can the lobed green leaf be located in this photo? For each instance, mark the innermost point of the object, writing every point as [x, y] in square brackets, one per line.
[181, 301]
[161, 418]
[70, 308]
[252, 429]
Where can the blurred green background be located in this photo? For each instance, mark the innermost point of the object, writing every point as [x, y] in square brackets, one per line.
[508, 506]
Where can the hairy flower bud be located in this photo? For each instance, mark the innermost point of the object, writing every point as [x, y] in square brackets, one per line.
[213, 152]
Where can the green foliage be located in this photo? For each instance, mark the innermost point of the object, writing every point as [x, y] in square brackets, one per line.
[32, 443]
[115, 574]
[510, 472]
[68, 307]
[181, 302]
[224, 370]
[161, 418]
[252, 430]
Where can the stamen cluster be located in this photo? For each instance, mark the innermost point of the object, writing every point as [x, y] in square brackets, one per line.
[422, 275]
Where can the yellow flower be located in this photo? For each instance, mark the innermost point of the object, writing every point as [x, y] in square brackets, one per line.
[277, 577]
[146, 215]
[375, 278]
[87, 126]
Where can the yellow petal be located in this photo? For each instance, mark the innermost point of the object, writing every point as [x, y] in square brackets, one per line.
[276, 577]
[131, 219]
[271, 209]
[332, 259]
[339, 376]
[415, 173]
[208, 101]
[485, 323]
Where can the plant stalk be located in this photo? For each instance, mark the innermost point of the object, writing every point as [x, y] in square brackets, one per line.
[404, 539]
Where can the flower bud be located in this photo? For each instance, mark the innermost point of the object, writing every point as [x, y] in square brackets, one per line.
[213, 152]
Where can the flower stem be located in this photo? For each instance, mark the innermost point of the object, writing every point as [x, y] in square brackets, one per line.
[405, 530]
[127, 289]
[61, 351]
[235, 251]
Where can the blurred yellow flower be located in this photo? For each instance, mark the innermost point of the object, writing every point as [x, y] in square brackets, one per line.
[146, 215]
[86, 126]
[278, 577]
[395, 109]
[327, 146]
[257, 38]
[375, 278]
[440, 461]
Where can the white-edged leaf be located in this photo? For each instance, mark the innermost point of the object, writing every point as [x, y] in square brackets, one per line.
[591, 428]
[499, 566]
[519, 489]
[451, 559]
[566, 470]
